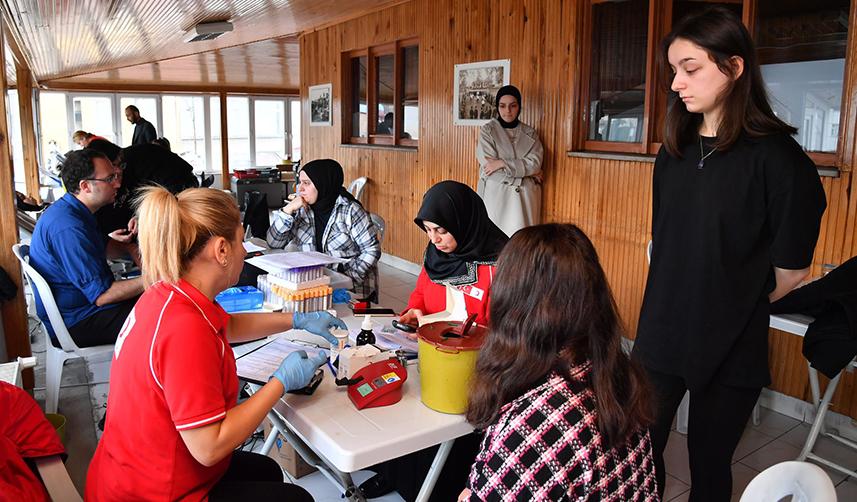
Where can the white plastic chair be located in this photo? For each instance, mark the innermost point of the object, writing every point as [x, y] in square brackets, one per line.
[380, 226]
[356, 188]
[803, 481]
[55, 357]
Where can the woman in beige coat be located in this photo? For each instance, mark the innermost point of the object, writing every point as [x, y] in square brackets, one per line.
[510, 166]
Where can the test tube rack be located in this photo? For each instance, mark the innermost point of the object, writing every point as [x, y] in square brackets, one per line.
[298, 279]
[290, 299]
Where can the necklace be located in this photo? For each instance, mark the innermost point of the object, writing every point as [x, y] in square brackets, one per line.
[703, 155]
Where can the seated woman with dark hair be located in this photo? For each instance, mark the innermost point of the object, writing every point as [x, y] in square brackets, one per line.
[325, 217]
[564, 409]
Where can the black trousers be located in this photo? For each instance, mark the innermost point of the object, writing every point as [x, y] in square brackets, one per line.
[252, 476]
[101, 328]
[718, 416]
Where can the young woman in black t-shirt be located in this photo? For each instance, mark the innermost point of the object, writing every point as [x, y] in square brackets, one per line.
[736, 210]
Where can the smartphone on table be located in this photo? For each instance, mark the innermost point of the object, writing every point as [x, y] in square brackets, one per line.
[375, 311]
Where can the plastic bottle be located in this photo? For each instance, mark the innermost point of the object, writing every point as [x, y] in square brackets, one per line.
[366, 336]
[341, 339]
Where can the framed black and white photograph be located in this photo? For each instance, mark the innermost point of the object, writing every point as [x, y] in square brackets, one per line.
[476, 84]
[320, 98]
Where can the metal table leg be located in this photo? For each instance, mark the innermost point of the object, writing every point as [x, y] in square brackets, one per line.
[818, 422]
[434, 470]
[342, 480]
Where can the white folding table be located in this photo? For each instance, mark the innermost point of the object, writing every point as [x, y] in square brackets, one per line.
[332, 435]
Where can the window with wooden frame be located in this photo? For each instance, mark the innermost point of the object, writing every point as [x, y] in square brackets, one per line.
[380, 92]
[803, 53]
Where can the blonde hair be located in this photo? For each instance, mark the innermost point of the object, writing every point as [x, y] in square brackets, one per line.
[174, 229]
[80, 135]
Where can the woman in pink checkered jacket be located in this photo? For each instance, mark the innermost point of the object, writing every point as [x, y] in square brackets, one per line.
[565, 411]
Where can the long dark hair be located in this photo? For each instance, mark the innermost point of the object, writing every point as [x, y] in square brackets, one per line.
[745, 101]
[551, 308]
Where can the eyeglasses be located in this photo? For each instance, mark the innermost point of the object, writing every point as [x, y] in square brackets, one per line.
[109, 179]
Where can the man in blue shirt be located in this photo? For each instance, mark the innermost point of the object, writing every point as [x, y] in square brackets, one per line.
[71, 254]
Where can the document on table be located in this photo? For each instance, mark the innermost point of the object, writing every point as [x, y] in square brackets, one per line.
[395, 340]
[251, 247]
[259, 365]
[276, 262]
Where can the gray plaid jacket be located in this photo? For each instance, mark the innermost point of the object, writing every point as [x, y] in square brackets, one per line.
[349, 234]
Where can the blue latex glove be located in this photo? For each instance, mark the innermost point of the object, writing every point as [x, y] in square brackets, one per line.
[318, 323]
[297, 369]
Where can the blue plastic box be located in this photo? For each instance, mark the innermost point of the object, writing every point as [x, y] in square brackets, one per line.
[240, 299]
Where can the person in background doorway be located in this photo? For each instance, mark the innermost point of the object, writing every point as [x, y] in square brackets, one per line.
[174, 421]
[563, 407]
[144, 131]
[510, 166]
[736, 212]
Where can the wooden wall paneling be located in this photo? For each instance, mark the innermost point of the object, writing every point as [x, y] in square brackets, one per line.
[28, 131]
[788, 367]
[14, 311]
[837, 199]
[832, 233]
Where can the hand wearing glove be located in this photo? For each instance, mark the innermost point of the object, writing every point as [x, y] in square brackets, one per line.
[297, 369]
[318, 323]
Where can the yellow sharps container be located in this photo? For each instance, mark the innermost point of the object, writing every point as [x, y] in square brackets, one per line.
[447, 359]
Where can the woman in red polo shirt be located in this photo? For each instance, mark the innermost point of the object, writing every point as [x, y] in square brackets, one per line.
[463, 247]
[174, 421]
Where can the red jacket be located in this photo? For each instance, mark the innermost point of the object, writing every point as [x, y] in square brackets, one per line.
[25, 433]
[430, 297]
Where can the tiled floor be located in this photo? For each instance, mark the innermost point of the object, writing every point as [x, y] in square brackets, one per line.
[775, 439]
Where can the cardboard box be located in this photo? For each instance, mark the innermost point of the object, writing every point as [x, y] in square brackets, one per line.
[287, 457]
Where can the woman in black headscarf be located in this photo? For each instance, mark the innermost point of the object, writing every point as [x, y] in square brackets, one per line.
[324, 217]
[510, 165]
[463, 248]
